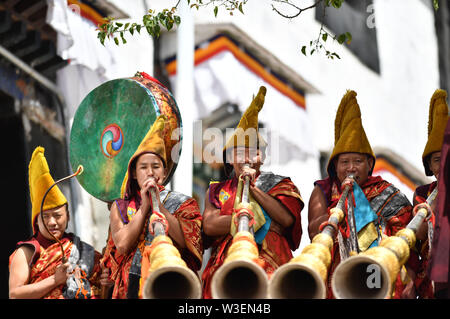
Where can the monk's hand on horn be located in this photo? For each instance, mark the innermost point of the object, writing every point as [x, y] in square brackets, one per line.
[243, 209]
[425, 208]
[160, 219]
[348, 182]
[148, 184]
[247, 170]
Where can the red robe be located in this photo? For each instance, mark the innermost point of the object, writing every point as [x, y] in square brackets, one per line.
[423, 284]
[47, 256]
[189, 217]
[439, 263]
[275, 250]
[372, 188]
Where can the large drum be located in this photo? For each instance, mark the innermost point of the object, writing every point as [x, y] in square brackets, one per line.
[109, 125]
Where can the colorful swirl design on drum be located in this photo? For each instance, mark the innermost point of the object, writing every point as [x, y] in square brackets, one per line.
[111, 141]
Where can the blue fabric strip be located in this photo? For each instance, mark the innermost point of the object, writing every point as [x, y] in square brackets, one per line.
[363, 211]
[262, 232]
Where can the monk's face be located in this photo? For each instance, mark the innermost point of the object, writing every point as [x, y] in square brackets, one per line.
[56, 220]
[356, 164]
[245, 156]
[434, 162]
[149, 165]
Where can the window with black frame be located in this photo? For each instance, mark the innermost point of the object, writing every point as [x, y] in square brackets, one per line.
[358, 18]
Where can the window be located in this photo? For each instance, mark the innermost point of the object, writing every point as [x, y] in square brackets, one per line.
[356, 17]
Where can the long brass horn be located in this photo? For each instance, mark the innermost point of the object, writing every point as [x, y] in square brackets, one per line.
[168, 275]
[305, 275]
[372, 274]
[240, 276]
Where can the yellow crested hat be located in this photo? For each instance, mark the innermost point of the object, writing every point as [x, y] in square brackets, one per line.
[349, 134]
[40, 180]
[437, 120]
[246, 133]
[153, 142]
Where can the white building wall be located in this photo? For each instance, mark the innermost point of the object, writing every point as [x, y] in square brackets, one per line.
[394, 104]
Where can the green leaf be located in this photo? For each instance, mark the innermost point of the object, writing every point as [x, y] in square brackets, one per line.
[341, 38]
[216, 9]
[177, 20]
[240, 8]
[156, 31]
[119, 24]
[138, 28]
[149, 30]
[304, 50]
[336, 55]
[109, 28]
[436, 5]
[349, 37]
[102, 37]
[169, 25]
[123, 39]
[337, 3]
[131, 31]
[126, 25]
[116, 40]
[324, 37]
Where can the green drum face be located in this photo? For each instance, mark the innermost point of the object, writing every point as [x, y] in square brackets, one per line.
[108, 127]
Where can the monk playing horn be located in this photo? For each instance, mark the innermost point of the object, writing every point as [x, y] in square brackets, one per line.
[275, 201]
[381, 209]
[431, 158]
[130, 217]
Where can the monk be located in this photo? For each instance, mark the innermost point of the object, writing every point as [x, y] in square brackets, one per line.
[36, 266]
[277, 201]
[439, 260]
[130, 215]
[431, 158]
[390, 210]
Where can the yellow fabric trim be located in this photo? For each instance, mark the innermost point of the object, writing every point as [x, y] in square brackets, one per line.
[367, 236]
[223, 196]
[404, 276]
[260, 220]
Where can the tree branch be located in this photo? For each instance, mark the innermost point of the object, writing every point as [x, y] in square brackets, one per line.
[300, 10]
